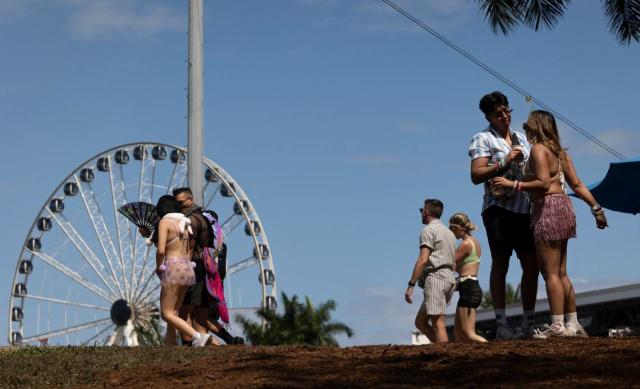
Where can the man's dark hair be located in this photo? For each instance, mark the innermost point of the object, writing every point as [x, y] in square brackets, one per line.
[494, 99]
[167, 204]
[184, 189]
[435, 207]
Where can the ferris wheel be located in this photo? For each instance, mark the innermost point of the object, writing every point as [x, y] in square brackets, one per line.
[85, 275]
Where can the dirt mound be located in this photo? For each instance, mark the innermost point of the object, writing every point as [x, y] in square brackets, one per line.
[559, 362]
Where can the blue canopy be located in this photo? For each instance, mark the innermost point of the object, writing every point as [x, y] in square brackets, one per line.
[619, 190]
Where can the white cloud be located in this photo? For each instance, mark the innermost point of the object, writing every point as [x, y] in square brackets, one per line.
[12, 11]
[623, 141]
[110, 18]
[376, 16]
[626, 142]
[441, 15]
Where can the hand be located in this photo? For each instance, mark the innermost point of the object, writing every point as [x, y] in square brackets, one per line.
[407, 294]
[144, 232]
[601, 220]
[515, 154]
[501, 182]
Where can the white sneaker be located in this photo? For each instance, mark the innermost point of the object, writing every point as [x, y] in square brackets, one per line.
[575, 329]
[504, 332]
[201, 341]
[549, 331]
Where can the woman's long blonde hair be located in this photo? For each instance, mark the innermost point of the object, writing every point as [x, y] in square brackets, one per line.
[541, 128]
[461, 221]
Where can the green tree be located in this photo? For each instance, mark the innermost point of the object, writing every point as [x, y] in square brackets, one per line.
[300, 323]
[505, 15]
[512, 295]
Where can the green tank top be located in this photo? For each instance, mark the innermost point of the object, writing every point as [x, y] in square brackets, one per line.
[473, 256]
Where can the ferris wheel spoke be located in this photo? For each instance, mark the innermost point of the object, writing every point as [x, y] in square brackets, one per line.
[143, 270]
[85, 251]
[177, 176]
[145, 194]
[123, 227]
[213, 195]
[146, 290]
[147, 297]
[245, 263]
[105, 329]
[231, 224]
[74, 276]
[102, 232]
[66, 302]
[66, 331]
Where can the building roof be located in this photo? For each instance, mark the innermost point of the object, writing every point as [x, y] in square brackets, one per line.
[591, 297]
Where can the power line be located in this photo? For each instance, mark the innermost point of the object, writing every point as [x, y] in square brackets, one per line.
[505, 80]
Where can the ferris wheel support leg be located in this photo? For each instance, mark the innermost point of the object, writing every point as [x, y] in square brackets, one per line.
[116, 337]
[130, 335]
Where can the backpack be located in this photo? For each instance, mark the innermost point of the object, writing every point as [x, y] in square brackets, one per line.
[215, 261]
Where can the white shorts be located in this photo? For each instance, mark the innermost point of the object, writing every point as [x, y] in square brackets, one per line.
[437, 295]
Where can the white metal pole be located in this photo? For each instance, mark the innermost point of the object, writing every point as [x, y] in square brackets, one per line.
[195, 99]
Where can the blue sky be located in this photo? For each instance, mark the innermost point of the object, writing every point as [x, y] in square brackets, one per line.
[337, 118]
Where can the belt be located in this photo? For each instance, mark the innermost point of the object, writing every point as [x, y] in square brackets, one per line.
[464, 278]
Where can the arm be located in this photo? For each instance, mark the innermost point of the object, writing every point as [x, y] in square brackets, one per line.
[421, 262]
[162, 243]
[481, 171]
[538, 159]
[580, 189]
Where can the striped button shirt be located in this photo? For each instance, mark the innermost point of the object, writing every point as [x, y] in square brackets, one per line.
[442, 244]
[489, 144]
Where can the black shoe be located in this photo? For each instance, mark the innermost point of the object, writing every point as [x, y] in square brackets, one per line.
[238, 340]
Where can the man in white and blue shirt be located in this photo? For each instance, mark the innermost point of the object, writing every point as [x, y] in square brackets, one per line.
[499, 151]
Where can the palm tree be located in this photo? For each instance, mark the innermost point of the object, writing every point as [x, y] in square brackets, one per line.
[300, 323]
[505, 15]
[512, 295]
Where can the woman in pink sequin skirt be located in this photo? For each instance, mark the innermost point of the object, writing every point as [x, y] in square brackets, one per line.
[553, 219]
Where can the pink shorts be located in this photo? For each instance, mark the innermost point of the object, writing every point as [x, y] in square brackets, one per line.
[553, 218]
[179, 271]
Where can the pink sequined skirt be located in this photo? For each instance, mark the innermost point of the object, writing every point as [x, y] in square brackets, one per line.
[179, 271]
[553, 218]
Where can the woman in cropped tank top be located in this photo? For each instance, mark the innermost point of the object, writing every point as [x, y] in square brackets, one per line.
[467, 266]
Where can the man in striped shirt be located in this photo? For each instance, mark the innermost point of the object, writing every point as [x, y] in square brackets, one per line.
[499, 151]
[434, 266]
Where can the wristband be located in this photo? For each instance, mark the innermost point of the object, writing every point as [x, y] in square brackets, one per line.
[596, 210]
[515, 184]
[411, 284]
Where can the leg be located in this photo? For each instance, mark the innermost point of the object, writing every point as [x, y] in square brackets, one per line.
[549, 260]
[498, 279]
[569, 293]
[529, 280]
[422, 323]
[439, 329]
[170, 337]
[458, 334]
[185, 314]
[200, 319]
[170, 301]
[469, 325]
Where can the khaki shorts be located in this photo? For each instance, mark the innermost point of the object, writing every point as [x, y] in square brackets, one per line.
[437, 294]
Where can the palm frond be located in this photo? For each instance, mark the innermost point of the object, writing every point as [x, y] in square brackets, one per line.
[546, 12]
[624, 19]
[502, 15]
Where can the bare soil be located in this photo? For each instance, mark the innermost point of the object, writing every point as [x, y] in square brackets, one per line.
[558, 363]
